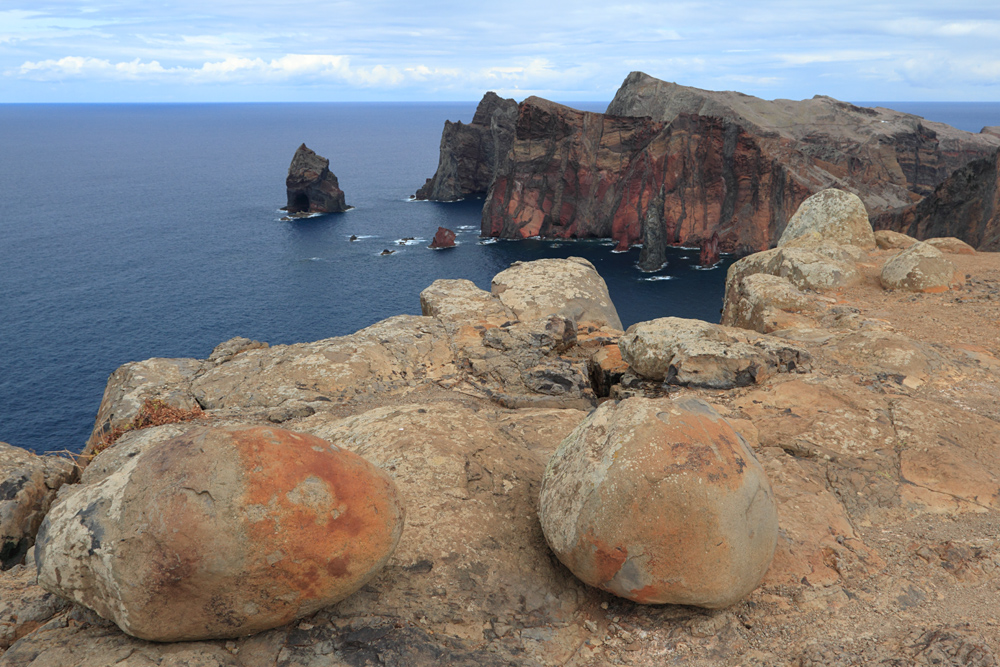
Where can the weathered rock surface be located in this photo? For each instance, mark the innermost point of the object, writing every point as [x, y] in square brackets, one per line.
[765, 303]
[698, 354]
[311, 186]
[28, 485]
[669, 164]
[882, 462]
[834, 215]
[570, 287]
[224, 352]
[660, 501]
[806, 269]
[574, 174]
[470, 154]
[951, 245]
[966, 205]
[221, 532]
[889, 240]
[443, 238]
[920, 268]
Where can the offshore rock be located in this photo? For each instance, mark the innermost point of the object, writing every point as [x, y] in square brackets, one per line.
[220, 533]
[966, 205]
[709, 253]
[311, 186]
[444, 238]
[920, 268]
[698, 354]
[471, 153]
[834, 215]
[708, 526]
[568, 287]
[28, 485]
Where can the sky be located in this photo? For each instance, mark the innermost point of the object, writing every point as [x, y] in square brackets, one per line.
[310, 50]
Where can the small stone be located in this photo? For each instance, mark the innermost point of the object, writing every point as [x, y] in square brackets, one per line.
[591, 626]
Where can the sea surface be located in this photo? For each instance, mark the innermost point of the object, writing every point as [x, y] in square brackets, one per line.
[137, 231]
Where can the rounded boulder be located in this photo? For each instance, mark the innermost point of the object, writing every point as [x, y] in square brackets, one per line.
[660, 501]
[834, 215]
[221, 532]
[920, 268]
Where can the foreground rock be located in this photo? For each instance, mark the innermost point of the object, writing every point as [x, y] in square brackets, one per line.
[707, 527]
[920, 268]
[698, 354]
[443, 238]
[311, 186]
[834, 215]
[220, 533]
[28, 485]
[571, 288]
[471, 153]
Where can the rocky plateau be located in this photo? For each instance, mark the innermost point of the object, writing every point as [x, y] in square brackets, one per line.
[868, 416]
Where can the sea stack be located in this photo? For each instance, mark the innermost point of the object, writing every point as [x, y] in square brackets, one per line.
[444, 238]
[312, 187]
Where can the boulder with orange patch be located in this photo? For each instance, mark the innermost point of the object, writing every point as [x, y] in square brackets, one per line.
[660, 501]
[221, 532]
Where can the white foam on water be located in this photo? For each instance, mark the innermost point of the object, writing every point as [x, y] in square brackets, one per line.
[651, 279]
[487, 241]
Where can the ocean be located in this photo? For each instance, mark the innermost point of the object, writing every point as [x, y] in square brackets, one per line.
[137, 231]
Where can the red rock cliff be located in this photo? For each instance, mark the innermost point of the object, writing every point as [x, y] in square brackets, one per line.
[675, 165]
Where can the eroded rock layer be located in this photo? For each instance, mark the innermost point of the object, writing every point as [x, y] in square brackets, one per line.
[669, 165]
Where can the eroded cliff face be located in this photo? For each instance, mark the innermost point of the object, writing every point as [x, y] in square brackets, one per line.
[469, 153]
[721, 163]
[966, 205]
[311, 186]
[573, 174]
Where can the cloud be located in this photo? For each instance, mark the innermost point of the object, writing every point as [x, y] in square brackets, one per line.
[302, 67]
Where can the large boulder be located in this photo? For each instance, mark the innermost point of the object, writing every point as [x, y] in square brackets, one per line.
[952, 245]
[660, 501]
[570, 287]
[698, 354]
[835, 215]
[28, 485]
[920, 268]
[886, 239]
[311, 186]
[804, 268]
[221, 532]
[767, 303]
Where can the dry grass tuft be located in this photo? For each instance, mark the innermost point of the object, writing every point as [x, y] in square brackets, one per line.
[153, 412]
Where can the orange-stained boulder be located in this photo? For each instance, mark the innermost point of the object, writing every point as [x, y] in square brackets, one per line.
[660, 501]
[221, 532]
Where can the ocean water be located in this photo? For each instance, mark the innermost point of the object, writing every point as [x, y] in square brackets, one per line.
[137, 231]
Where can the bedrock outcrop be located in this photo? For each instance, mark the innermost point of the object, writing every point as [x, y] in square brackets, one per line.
[966, 206]
[881, 456]
[311, 186]
[470, 154]
[668, 164]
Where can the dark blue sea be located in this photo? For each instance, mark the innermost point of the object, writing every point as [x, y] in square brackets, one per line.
[137, 231]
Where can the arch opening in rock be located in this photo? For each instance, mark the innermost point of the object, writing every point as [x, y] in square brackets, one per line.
[300, 203]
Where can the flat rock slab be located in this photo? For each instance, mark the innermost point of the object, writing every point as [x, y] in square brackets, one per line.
[698, 354]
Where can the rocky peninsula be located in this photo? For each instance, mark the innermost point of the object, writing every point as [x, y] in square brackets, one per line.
[673, 165]
[854, 371]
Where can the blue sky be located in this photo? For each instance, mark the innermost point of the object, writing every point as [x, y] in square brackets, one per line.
[249, 50]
